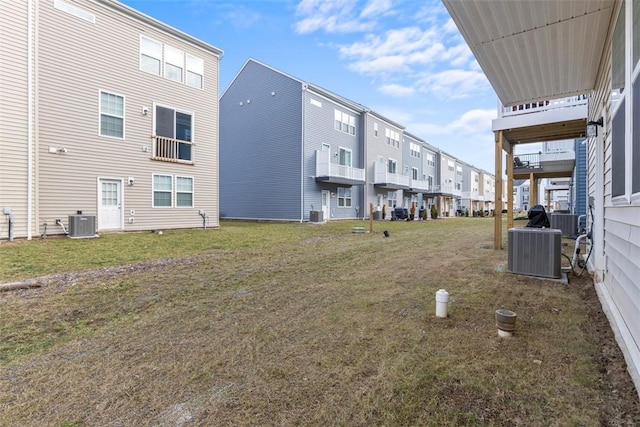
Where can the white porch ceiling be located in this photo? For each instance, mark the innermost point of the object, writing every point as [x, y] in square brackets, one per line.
[533, 50]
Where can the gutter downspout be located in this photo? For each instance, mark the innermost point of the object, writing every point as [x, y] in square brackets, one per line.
[30, 105]
[302, 175]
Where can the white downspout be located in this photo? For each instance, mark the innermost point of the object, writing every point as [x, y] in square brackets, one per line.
[30, 105]
[302, 169]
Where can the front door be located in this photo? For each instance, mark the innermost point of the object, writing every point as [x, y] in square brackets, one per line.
[325, 205]
[109, 204]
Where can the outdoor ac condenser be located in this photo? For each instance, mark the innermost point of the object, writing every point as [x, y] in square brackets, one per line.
[567, 223]
[82, 226]
[535, 252]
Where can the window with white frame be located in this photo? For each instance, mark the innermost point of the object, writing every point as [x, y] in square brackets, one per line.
[375, 130]
[414, 173]
[392, 198]
[344, 122]
[459, 171]
[167, 189]
[111, 115]
[392, 137]
[450, 165]
[430, 182]
[618, 122]
[414, 150]
[171, 63]
[344, 197]
[173, 134]
[431, 160]
[195, 71]
[344, 157]
[162, 191]
[392, 166]
[150, 55]
[184, 192]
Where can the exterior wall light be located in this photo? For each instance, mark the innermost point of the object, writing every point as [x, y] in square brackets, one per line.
[592, 127]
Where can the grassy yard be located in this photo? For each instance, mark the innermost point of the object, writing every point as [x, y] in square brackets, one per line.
[296, 324]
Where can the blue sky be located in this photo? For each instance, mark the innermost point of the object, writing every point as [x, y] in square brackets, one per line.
[404, 59]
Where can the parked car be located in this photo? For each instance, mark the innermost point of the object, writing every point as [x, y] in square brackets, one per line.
[399, 213]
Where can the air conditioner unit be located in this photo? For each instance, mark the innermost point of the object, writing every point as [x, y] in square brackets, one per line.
[567, 223]
[82, 226]
[316, 216]
[535, 252]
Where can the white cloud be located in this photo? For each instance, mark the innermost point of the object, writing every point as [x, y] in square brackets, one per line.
[376, 8]
[396, 90]
[454, 84]
[473, 122]
[333, 16]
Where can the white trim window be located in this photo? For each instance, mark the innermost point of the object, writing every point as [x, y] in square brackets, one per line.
[344, 157]
[414, 174]
[111, 115]
[162, 191]
[431, 160]
[414, 150]
[392, 137]
[375, 129]
[450, 165]
[392, 198]
[344, 122]
[150, 55]
[195, 72]
[184, 191]
[173, 63]
[392, 166]
[344, 197]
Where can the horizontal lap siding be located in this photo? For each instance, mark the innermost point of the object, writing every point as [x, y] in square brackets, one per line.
[13, 115]
[261, 145]
[623, 260]
[77, 60]
[621, 226]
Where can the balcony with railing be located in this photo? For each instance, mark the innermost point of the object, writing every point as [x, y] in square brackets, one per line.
[172, 150]
[382, 178]
[442, 189]
[550, 120]
[544, 164]
[419, 185]
[328, 171]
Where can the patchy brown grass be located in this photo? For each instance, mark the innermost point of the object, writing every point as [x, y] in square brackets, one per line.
[312, 325]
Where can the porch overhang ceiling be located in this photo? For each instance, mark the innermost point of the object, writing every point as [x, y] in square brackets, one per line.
[534, 50]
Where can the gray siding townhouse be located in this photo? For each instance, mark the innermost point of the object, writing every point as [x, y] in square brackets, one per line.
[105, 111]
[430, 167]
[383, 141]
[445, 192]
[413, 148]
[288, 148]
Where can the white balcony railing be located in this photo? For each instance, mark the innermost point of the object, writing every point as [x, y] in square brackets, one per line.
[535, 107]
[420, 185]
[384, 177]
[326, 168]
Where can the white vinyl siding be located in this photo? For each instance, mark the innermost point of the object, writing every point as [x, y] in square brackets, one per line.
[111, 115]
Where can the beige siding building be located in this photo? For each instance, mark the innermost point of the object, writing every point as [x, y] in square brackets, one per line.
[107, 111]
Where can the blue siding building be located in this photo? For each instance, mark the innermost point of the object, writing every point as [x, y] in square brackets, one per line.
[288, 148]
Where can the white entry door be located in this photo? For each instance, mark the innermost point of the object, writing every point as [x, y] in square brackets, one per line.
[109, 204]
[325, 205]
